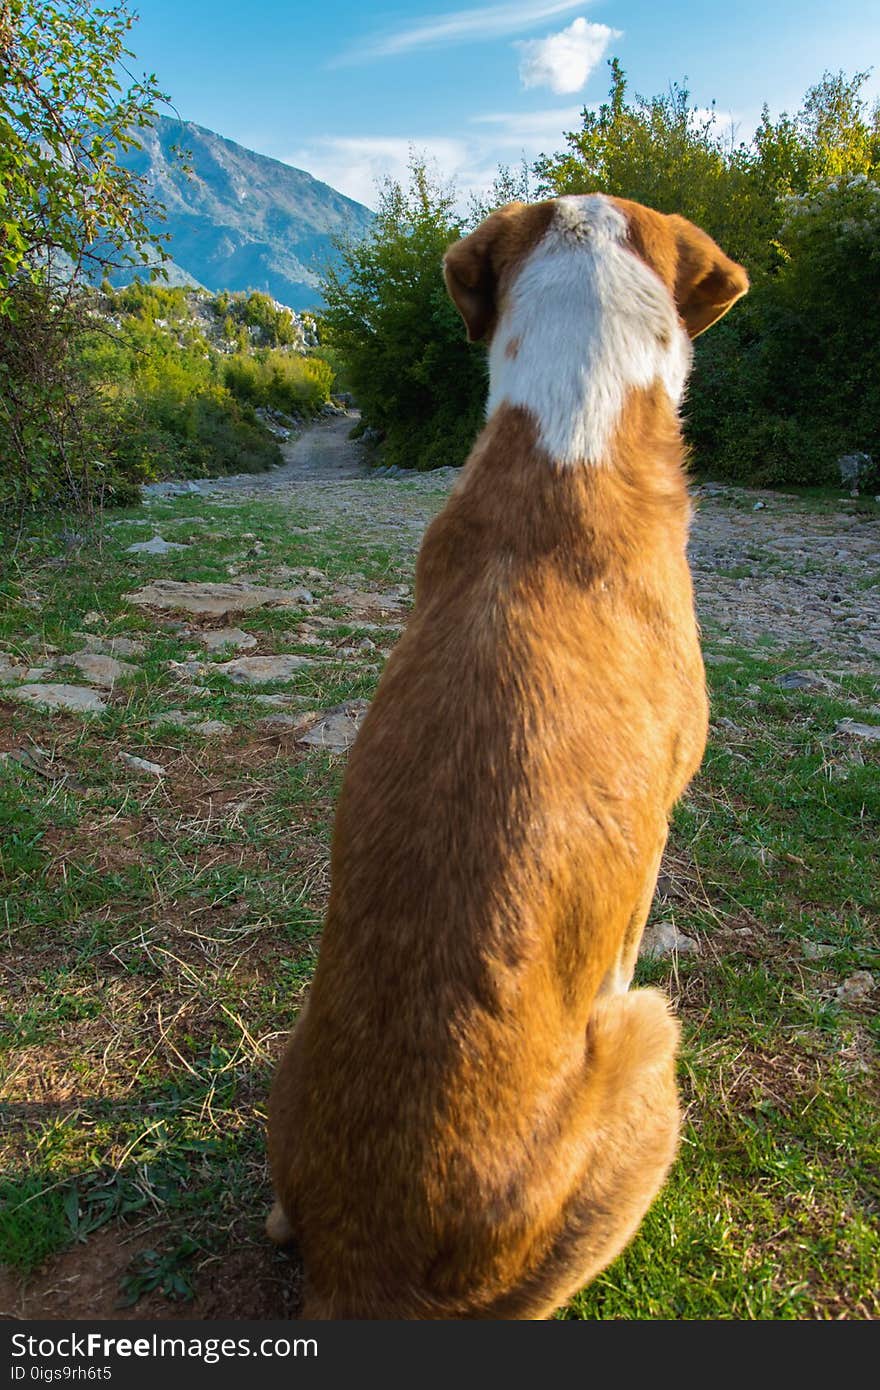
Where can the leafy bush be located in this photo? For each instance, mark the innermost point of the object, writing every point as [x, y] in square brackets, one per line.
[69, 211]
[296, 385]
[274, 324]
[791, 381]
[398, 336]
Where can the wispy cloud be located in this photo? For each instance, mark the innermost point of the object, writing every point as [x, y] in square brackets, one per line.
[530, 129]
[564, 61]
[484, 22]
[357, 164]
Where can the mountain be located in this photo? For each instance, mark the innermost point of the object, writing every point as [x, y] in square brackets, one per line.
[238, 220]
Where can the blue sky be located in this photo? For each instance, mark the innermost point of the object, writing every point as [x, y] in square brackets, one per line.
[344, 89]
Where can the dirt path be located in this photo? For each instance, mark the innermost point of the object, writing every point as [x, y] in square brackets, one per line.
[322, 454]
[770, 568]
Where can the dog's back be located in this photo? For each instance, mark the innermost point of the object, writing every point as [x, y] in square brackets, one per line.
[473, 1113]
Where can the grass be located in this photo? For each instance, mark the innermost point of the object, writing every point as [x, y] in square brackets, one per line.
[159, 935]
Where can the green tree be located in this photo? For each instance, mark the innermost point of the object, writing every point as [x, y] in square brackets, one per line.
[68, 211]
[791, 382]
[64, 120]
[397, 336]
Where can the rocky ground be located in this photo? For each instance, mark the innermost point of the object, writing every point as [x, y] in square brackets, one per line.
[769, 568]
[177, 697]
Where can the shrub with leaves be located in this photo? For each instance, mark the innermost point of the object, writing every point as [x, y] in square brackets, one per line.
[398, 336]
[68, 209]
[791, 382]
[294, 384]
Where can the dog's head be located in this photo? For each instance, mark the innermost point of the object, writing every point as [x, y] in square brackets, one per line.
[481, 269]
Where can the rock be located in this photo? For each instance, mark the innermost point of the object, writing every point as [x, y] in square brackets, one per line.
[33, 758]
[855, 987]
[212, 728]
[664, 939]
[12, 670]
[186, 668]
[729, 726]
[287, 721]
[72, 697]
[214, 599]
[299, 572]
[361, 602]
[219, 637]
[180, 718]
[855, 470]
[817, 950]
[857, 730]
[156, 546]
[98, 669]
[337, 728]
[278, 701]
[142, 764]
[170, 489]
[259, 670]
[804, 680]
[112, 646]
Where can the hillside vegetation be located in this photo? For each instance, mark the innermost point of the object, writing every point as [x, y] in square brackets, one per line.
[237, 219]
[174, 382]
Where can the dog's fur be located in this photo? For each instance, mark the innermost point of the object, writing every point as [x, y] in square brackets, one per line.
[474, 1112]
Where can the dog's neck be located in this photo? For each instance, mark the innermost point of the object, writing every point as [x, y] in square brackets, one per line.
[583, 323]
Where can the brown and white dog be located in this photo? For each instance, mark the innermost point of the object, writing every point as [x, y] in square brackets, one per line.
[474, 1112]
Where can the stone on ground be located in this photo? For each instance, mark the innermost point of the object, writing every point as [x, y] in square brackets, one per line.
[337, 728]
[804, 680]
[179, 718]
[72, 697]
[156, 546]
[98, 669]
[215, 639]
[259, 670]
[664, 939]
[856, 987]
[112, 646]
[852, 726]
[214, 599]
[142, 765]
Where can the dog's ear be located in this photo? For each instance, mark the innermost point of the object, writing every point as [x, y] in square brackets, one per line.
[707, 282]
[471, 268]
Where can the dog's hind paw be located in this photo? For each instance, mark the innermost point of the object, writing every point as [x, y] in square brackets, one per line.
[278, 1228]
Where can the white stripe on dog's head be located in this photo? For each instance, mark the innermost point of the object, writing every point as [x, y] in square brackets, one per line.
[591, 321]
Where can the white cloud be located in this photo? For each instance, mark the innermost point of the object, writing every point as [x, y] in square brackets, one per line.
[356, 165]
[531, 131]
[485, 22]
[565, 60]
